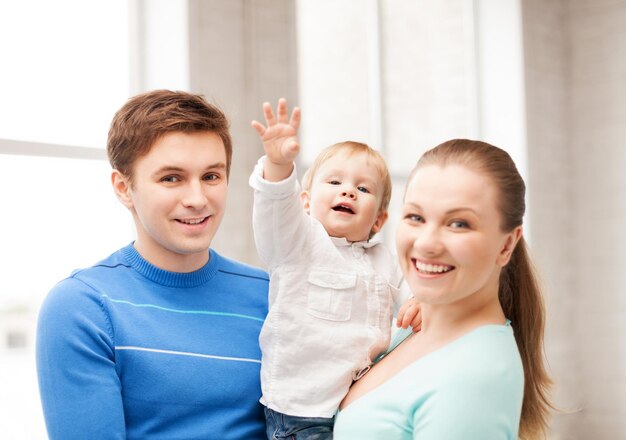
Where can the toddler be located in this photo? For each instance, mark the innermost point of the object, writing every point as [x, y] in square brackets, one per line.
[332, 290]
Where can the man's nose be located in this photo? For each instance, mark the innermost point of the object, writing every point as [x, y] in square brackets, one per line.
[194, 196]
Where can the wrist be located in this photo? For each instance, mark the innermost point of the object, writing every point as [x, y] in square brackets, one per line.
[275, 172]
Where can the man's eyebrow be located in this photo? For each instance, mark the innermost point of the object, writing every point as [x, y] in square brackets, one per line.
[174, 168]
[217, 165]
[168, 168]
[165, 168]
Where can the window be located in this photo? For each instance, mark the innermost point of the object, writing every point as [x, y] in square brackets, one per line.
[66, 69]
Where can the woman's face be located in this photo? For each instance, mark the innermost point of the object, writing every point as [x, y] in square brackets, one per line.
[449, 242]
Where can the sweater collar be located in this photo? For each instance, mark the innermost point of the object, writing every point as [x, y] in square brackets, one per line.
[167, 278]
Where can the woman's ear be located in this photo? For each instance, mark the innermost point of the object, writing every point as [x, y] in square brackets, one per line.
[122, 188]
[305, 198]
[510, 242]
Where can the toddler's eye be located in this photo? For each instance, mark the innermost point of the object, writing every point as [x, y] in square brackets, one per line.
[335, 182]
[362, 189]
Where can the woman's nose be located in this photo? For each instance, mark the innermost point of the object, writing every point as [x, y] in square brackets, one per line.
[428, 241]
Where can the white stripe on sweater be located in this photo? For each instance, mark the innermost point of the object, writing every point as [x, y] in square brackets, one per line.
[183, 353]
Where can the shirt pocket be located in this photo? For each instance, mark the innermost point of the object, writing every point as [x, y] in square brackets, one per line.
[330, 294]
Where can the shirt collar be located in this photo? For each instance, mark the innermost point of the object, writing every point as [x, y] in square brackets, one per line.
[341, 241]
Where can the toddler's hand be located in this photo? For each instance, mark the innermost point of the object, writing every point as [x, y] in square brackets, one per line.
[410, 314]
[280, 135]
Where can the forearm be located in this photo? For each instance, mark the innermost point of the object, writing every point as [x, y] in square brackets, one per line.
[280, 225]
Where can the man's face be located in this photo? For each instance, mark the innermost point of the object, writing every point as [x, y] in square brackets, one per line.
[177, 199]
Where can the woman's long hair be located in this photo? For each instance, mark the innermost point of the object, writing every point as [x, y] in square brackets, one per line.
[519, 292]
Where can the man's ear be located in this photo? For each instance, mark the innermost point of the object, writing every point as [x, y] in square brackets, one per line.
[510, 242]
[380, 221]
[122, 188]
[305, 198]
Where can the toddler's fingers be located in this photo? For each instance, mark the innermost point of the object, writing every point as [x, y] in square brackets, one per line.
[282, 110]
[260, 128]
[295, 118]
[400, 317]
[417, 319]
[269, 114]
[404, 314]
[406, 319]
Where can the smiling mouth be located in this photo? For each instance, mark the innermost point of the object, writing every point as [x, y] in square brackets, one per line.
[343, 208]
[192, 221]
[432, 268]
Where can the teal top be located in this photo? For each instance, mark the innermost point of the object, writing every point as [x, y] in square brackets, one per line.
[470, 389]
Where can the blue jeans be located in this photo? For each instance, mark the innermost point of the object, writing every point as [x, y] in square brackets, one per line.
[281, 426]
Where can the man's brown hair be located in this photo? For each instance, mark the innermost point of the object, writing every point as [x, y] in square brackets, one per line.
[148, 116]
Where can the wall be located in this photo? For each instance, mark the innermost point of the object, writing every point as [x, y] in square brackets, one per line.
[575, 81]
[241, 54]
[597, 129]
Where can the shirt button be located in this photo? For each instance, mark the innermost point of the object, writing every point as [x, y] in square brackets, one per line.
[356, 375]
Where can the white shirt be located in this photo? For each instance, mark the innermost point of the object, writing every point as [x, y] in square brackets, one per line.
[330, 303]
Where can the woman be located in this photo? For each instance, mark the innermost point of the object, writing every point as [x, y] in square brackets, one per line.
[475, 370]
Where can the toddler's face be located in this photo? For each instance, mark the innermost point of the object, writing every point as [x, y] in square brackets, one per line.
[345, 196]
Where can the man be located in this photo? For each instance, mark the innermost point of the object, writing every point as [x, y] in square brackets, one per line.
[160, 339]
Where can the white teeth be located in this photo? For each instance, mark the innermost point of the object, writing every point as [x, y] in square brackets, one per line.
[432, 268]
[192, 221]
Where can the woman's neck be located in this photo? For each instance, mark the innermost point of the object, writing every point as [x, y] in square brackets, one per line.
[450, 320]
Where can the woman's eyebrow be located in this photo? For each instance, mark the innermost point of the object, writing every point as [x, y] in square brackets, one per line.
[461, 209]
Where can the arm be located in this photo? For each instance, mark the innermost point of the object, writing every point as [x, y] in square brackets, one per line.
[79, 387]
[281, 227]
[280, 140]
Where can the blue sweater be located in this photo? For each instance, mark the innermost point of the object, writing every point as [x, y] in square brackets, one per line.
[127, 350]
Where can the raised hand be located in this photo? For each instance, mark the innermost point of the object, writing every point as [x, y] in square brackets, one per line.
[280, 139]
